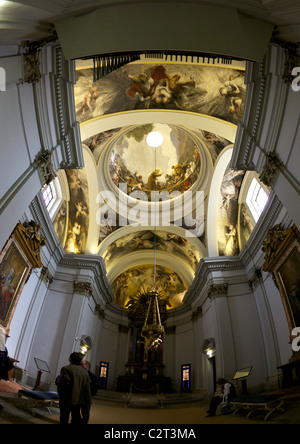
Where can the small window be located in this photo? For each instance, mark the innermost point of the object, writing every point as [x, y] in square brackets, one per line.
[48, 196]
[257, 199]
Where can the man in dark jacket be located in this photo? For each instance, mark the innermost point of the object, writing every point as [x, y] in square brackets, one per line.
[85, 411]
[74, 389]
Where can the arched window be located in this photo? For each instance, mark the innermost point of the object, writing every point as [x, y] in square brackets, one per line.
[257, 199]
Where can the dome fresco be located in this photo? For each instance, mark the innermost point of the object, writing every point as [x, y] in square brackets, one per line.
[173, 166]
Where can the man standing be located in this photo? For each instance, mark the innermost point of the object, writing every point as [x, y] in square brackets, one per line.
[74, 389]
[6, 364]
[85, 411]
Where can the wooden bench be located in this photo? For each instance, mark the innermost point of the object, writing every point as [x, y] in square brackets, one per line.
[268, 403]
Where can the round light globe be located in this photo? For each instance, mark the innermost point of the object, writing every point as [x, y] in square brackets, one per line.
[155, 139]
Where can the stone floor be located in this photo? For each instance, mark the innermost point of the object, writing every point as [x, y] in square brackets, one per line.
[110, 412]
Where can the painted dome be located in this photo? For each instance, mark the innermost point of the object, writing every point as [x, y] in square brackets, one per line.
[155, 157]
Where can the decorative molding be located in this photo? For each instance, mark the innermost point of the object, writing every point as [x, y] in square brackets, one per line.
[46, 276]
[31, 67]
[203, 276]
[30, 238]
[100, 313]
[264, 112]
[85, 288]
[197, 314]
[276, 237]
[123, 328]
[256, 280]
[31, 58]
[292, 52]
[170, 330]
[45, 168]
[245, 143]
[64, 100]
[96, 266]
[271, 169]
[217, 290]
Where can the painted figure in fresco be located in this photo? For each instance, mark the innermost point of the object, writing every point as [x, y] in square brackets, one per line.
[183, 176]
[153, 178]
[213, 91]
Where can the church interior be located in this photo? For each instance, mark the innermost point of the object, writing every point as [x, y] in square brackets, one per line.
[149, 203]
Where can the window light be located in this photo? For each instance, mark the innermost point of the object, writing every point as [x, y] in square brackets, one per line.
[48, 196]
[257, 199]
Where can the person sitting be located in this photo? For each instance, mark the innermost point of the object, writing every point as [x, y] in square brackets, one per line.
[228, 393]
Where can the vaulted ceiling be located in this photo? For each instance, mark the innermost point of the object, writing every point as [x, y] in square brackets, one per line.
[195, 107]
[113, 212]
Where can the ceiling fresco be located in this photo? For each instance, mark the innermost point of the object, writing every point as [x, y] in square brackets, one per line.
[228, 211]
[184, 158]
[173, 166]
[163, 241]
[78, 216]
[140, 279]
[213, 91]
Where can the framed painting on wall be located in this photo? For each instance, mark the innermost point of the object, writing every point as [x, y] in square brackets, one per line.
[14, 272]
[282, 249]
[288, 278]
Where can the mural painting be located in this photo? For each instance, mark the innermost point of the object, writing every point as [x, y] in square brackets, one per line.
[215, 144]
[228, 210]
[78, 222]
[97, 143]
[173, 167]
[140, 279]
[60, 222]
[214, 91]
[147, 240]
[246, 225]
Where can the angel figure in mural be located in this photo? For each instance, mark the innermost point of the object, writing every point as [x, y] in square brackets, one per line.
[81, 210]
[226, 96]
[231, 186]
[157, 89]
[231, 241]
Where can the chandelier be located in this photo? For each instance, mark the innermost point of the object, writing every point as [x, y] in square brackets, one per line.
[153, 329]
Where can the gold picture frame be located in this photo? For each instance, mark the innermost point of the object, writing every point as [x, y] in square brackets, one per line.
[282, 249]
[288, 278]
[15, 269]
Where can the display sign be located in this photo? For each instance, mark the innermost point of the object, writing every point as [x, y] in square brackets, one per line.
[42, 366]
